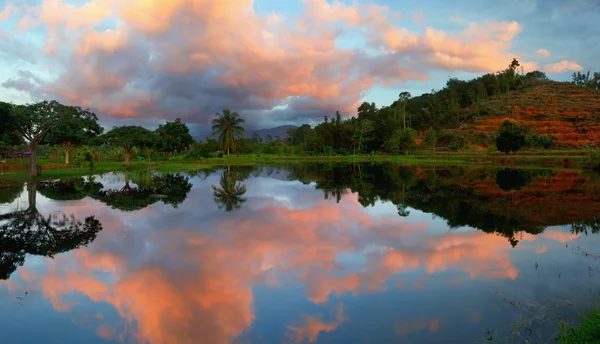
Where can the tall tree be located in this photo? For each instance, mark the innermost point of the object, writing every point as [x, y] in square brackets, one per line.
[430, 138]
[75, 127]
[228, 125]
[127, 137]
[362, 133]
[34, 121]
[403, 98]
[174, 137]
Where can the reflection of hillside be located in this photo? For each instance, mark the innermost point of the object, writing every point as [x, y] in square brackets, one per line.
[505, 202]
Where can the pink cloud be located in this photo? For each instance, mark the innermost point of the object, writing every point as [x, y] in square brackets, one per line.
[312, 326]
[205, 55]
[5, 14]
[563, 66]
[543, 52]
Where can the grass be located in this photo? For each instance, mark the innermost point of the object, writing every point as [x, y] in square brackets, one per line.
[527, 159]
[587, 332]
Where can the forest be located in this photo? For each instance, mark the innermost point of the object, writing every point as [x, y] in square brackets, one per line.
[428, 121]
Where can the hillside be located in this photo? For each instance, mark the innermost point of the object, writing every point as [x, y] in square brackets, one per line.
[567, 113]
[280, 132]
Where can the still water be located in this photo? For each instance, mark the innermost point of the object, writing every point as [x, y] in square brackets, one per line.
[307, 253]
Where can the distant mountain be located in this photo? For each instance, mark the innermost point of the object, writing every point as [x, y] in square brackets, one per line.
[280, 132]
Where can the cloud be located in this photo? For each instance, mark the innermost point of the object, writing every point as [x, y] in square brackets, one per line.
[561, 67]
[543, 52]
[155, 59]
[312, 326]
[5, 14]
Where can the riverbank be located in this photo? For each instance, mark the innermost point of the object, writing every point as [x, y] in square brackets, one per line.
[573, 159]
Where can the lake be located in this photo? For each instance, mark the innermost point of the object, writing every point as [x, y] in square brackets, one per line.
[305, 253]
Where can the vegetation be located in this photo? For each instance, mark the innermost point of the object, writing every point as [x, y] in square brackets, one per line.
[511, 138]
[439, 121]
[129, 137]
[175, 138]
[75, 127]
[228, 125]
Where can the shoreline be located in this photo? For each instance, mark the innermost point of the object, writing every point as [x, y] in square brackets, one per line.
[529, 160]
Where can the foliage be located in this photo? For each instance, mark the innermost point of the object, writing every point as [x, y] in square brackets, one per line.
[128, 137]
[175, 137]
[8, 126]
[593, 160]
[430, 138]
[228, 126]
[542, 142]
[33, 121]
[511, 138]
[587, 81]
[587, 332]
[74, 127]
[402, 141]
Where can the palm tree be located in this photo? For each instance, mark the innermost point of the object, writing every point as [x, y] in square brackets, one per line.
[229, 193]
[228, 126]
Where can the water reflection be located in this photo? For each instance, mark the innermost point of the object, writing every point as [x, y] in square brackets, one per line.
[229, 193]
[29, 232]
[309, 253]
[150, 188]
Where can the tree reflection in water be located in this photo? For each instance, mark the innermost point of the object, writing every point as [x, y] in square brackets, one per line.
[229, 193]
[29, 232]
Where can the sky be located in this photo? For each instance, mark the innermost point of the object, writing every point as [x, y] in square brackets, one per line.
[142, 62]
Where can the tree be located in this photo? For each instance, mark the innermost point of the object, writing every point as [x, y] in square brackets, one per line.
[8, 126]
[404, 97]
[228, 125]
[361, 133]
[127, 137]
[402, 140]
[229, 194]
[536, 75]
[33, 122]
[175, 137]
[430, 138]
[74, 127]
[511, 138]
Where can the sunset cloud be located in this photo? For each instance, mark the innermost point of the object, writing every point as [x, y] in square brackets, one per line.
[563, 66]
[543, 52]
[189, 59]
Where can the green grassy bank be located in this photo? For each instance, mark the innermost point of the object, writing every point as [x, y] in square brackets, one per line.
[530, 159]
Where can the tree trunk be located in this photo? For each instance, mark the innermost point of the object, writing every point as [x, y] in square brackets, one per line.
[67, 148]
[31, 194]
[228, 151]
[32, 168]
[127, 156]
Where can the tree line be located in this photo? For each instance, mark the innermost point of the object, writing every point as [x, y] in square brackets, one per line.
[389, 129]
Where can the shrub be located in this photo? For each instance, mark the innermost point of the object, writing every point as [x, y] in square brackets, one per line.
[402, 140]
[593, 160]
[454, 146]
[511, 138]
[542, 141]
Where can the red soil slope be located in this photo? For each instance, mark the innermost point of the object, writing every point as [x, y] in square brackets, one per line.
[567, 113]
